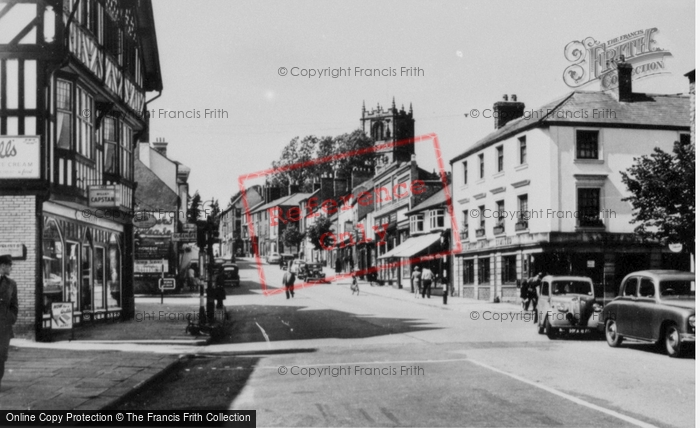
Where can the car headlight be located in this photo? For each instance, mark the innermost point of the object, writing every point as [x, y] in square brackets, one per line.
[597, 307]
[562, 308]
[691, 321]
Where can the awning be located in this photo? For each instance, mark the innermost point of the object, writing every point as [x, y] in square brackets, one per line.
[412, 246]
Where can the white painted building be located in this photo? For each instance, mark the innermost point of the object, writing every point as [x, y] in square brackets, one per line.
[554, 174]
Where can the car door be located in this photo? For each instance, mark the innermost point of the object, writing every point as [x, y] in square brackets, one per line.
[625, 313]
[645, 307]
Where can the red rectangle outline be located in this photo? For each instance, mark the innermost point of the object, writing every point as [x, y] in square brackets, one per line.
[445, 185]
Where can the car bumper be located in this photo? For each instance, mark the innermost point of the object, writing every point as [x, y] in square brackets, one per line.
[688, 337]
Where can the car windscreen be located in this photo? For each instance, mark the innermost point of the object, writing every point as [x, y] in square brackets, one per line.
[677, 289]
[571, 287]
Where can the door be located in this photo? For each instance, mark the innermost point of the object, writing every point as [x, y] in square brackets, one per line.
[646, 302]
[626, 308]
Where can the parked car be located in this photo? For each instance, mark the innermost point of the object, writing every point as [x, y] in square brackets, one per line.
[285, 259]
[655, 306]
[231, 277]
[273, 258]
[313, 272]
[567, 303]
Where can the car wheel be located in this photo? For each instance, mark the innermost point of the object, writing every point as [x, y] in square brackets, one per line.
[548, 329]
[672, 339]
[611, 335]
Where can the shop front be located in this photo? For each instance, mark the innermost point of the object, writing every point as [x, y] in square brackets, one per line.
[81, 265]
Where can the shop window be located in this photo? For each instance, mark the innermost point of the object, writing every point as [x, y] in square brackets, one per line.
[52, 264]
[99, 288]
[509, 273]
[586, 144]
[113, 271]
[86, 274]
[70, 293]
[484, 271]
[467, 271]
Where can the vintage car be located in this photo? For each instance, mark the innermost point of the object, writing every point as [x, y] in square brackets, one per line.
[285, 259]
[273, 258]
[312, 272]
[567, 303]
[656, 306]
[231, 277]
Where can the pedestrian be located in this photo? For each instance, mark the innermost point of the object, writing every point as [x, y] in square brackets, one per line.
[534, 284]
[9, 308]
[427, 277]
[355, 287]
[445, 289]
[288, 281]
[190, 278]
[415, 281]
[338, 265]
[220, 291]
[525, 294]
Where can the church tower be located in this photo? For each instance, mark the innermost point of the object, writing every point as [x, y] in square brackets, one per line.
[388, 126]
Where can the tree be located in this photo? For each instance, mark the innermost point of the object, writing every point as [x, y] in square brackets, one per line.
[215, 209]
[194, 209]
[663, 195]
[318, 230]
[292, 237]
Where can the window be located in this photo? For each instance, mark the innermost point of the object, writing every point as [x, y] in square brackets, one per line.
[52, 261]
[484, 271]
[465, 219]
[523, 150]
[509, 273]
[99, 288]
[482, 217]
[437, 219]
[126, 162]
[500, 213]
[113, 271]
[467, 271]
[109, 137]
[499, 158]
[84, 142]
[64, 114]
[481, 165]
[630, 289]
[646, 288]
[545, 289]
[586, 144]
[464, 167]
[417, 223]
[589, 207]
[523, 213]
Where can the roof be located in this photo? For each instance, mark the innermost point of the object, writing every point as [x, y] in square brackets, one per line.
[291, 200]
[645, 111]
[153, 80]
[438, 198]
[664, 274]
[152, 193]
[412, 246]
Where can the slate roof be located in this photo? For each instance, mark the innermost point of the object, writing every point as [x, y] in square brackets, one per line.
[152, 193]
[646, 111]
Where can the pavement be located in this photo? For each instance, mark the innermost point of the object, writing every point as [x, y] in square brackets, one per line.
[98, 367]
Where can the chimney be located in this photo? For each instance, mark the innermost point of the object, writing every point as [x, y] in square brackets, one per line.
[505, 111]
[624, 78]
[161, 146]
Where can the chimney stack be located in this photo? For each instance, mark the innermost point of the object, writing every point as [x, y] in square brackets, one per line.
[505, 111]
[624, 80]
[161, 146]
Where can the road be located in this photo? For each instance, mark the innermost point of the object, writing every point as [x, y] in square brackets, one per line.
[329, 358]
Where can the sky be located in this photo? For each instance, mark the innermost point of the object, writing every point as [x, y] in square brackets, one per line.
[225, 56]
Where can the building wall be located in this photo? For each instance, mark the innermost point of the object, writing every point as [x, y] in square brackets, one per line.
[18, 223]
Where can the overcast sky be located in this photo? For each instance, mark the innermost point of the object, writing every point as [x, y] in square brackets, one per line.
[227, 55]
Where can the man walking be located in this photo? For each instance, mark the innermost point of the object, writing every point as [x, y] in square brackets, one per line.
[534, 284]
[427, 277]
[288, 281]
[445, 288]
[9, 308]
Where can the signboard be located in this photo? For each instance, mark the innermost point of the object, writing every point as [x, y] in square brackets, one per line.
[189, 227]
[185, 236]
[163, 227]
[19, 157]
[675, 247]
[14, 249]
[61, 315]
[591, 263]
[166, 283]
[150, 266]
[104, 196]
[144, 220]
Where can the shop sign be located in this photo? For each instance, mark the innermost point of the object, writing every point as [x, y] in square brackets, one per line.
[591, 264]
[185, 236]
[19, 157]
[61, 315]
[14, 249]
[675, 247]
[189, 227]
[166, 283]
[150, 266]
[103, 196]
[144, 221]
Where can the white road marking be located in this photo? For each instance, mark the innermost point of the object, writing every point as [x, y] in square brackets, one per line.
[263, 332]
[558, 393]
